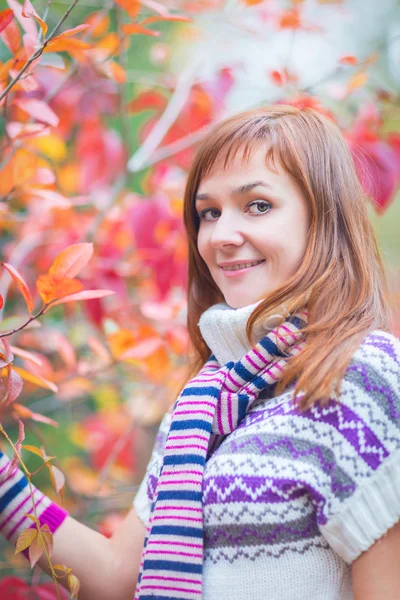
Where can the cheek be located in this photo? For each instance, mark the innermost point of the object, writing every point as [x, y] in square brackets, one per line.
[202, 245]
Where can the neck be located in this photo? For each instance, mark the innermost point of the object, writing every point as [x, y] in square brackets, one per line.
[224, 330]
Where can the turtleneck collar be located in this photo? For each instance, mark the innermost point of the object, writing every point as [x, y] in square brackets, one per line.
[224, 330]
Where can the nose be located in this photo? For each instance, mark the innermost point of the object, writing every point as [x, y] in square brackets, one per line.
[226, 232]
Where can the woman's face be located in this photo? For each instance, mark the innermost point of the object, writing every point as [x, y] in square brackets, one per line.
[253, 230]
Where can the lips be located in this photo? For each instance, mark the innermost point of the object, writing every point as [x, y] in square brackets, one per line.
[238, 269]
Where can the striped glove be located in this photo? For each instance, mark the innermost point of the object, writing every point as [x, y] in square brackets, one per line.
[16, 502]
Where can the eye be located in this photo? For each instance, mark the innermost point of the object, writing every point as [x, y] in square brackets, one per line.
[262, 207]
[209, 214]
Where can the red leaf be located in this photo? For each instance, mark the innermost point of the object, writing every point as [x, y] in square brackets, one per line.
[9, 357]
[21, 284]
[1, 301]
[6, 16]
[14, 385]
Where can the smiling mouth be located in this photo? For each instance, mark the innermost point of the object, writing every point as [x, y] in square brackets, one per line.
[241, 266]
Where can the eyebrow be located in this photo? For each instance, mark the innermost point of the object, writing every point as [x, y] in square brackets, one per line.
[247, 187]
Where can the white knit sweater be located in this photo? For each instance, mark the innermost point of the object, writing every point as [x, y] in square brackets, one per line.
[291, 499]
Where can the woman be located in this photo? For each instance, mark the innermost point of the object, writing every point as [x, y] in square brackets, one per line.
[278, 469]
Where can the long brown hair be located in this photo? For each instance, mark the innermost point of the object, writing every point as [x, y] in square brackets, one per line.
[341, 276]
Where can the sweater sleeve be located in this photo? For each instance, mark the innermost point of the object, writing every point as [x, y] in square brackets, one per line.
[362, 497]
[145, 495]
[17, 499]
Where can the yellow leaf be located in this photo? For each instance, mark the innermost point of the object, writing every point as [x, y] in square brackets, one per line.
[34, 450]
[357, 81]
[25, 539]
[57, 478]
[53, 146]
[36, 379]
[74, 585]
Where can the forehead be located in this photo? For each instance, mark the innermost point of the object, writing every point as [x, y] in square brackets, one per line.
[242, 166]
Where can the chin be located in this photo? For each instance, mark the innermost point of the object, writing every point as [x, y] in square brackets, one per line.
[240, 301]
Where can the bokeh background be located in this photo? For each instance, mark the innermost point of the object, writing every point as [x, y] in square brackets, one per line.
[96, 138]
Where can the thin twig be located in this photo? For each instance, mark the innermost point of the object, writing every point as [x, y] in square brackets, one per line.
[39, 51]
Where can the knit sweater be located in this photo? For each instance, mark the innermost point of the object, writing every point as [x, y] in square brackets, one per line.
[292, 497]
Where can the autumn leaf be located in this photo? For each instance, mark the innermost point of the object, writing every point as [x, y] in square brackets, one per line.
[11, 37]
[99, 23]
[39, 110]
[348, 60]
[25, 539]
[52, 288]
[70, 32]
[36, 549]
[70, 45]
[135, 28]
[176, 18]
[74, 585]
[14, 385]
[7, 358]
[358, 80]
[132, 7]
[27, 355]
[71, 261]
[36, 379]
[19, 280]
[86, 295]
[25, 413]
[57, 478]
[29, 11]
[1, 301]
[6, 16]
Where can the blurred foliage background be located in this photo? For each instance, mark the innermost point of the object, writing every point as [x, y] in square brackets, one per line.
[97, 136]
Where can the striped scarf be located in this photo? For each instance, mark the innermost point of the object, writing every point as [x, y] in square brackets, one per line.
[211, 406]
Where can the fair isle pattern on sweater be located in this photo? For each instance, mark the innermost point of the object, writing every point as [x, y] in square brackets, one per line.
[210, 407]
[291, 498]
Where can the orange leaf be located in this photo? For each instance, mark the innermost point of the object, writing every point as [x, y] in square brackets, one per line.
[86, 295]
[290, 19]
[51, 288]
[115, 71]
[26, 413]
[21, 284]
[348, 60]
[178, 18]
[70, 32]
[33, 450]
[142, 350]
[67, 45]
[36, 379]
[6, 16]
[135, 28]
[11, 36]
[71, 261]
[132, 7]
[99, 23]
[252, 2]
[29, 11]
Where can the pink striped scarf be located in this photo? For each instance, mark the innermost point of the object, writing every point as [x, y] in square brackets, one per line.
[211, 406]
